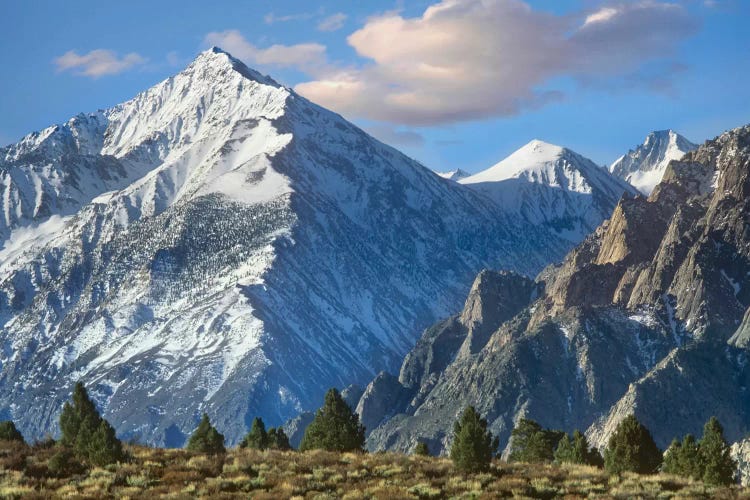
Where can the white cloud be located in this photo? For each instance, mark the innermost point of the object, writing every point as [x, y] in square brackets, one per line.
[471, 59]
[305, 56]
[97, 63]
[333, 22]
[272, 18]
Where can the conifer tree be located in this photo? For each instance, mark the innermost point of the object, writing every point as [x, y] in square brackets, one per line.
[91, 437]
[422, 449]
[278, 440]
[719, 467]
[257, 438]
[576, 450]
[206, 439]
[531, 443]
[8, 432]
[683, 459]
[473, 445]
[335, 427]
[631, 448]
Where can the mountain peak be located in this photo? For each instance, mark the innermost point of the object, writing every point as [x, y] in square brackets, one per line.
[216, 59]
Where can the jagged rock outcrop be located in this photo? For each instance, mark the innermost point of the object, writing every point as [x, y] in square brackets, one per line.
[645, 316]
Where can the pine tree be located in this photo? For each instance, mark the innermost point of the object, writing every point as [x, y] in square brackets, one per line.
[473, 445]
[422, 449]
[278, 440]
[8, 432]
[533, 444]
[683, 459]
[335, 427]
[576, 450]
[631, 448]
[206, 439]
[91, 437]
[257, 438]
[719, 467]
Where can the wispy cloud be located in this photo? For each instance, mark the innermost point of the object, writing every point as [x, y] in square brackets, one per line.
[304, 56]
[333, 22]
[473, 59]
[395, 137]
[97, 63]
[272, 18]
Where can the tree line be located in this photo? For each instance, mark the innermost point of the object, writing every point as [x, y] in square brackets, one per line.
[87, 438]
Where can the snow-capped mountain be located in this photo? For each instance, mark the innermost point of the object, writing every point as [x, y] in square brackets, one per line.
[644, 166]
[552, 187]
[219, 243]
[454, 175]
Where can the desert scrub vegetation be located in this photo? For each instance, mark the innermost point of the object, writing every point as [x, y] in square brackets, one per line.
[25, 472]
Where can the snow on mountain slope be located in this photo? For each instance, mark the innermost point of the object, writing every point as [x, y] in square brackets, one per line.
[645, 166]
[553, 187]
[219, 243]
[454, 175]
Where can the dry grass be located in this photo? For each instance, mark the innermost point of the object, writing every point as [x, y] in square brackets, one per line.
[322, 475]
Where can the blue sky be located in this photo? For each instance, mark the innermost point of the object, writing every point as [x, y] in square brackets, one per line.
[455, 83]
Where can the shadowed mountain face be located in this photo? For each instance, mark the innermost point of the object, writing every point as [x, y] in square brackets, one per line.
[648, 316]
[220, 244]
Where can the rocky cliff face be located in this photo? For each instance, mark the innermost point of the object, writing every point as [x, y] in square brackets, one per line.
[645, 316]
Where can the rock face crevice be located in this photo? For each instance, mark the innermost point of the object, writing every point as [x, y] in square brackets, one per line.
[648, 315]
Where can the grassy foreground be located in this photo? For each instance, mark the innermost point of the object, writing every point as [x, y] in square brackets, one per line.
[273, 474]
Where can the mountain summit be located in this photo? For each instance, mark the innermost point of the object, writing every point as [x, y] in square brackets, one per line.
[553, 187]
[644, 166]
[219, 243]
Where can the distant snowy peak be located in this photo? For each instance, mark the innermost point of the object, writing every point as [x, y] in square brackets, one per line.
[644, 166]
[552, 186]
[454, 175]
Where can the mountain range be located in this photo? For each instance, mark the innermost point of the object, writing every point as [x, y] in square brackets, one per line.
[649, 315]
[219, 243]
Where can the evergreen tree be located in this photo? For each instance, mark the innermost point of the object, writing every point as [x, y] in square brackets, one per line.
[91, 437]
[8, 432]
[719, 467]
[335, 427]
[422, 449]
[473, 445]
[531, 443]
[683, 459]
[257, 438]
[206, 439]
[631, 448]
[576, 450]
[278, 440]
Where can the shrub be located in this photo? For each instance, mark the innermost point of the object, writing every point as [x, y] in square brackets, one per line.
[84, 430]
[533, 444]
[422, 449]
[206, 439]
[631, 448]
[683, 459]
[257, 438]
[64, 464]
[8, 432]
[577, 451]
[335, 427]
[718, 465]
[473, 445]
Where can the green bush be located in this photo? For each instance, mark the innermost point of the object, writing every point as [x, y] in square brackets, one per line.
[64, 464]
[278, 440]
[335, 427]
[631, 448]
[531, 443]
[206, 439]
[91, 437]
[8, 432]
[683, 459]
[473, 445]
